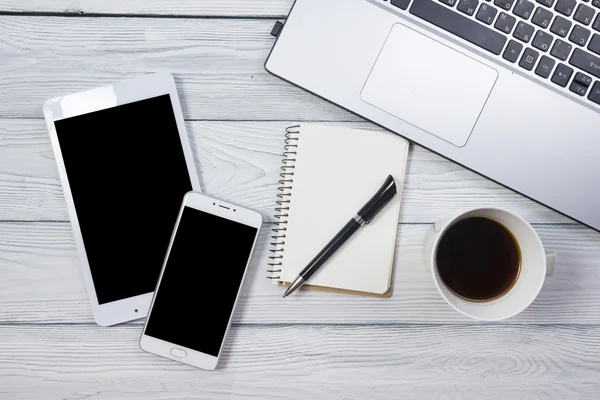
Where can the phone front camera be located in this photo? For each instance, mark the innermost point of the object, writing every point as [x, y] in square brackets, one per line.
[135, 310]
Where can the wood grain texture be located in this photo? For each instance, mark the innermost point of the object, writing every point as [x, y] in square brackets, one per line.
[312, 345]
[217, 64]
[239, 162]
[244, 8]
[309, 362]
[41, 283]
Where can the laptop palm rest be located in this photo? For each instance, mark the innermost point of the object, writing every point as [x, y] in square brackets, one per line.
[429, 85]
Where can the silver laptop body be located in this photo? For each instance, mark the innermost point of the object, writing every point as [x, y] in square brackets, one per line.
[472, 80]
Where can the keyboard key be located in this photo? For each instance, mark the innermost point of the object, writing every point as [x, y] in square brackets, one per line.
[513, 49]
[595, 44]
[523, 32]
[579, 35]
[542, 17]
[486, 14]
[461, 26]
[448, 2]
[586, 61]
[596, 25]
[547, 3]
[528, 59]
[505, 22]
[577, 88]
[403, 4]
[542, 40]
[505, 4]
[545, 66]
[561, 50]
[584, 14]
[583, 79]
[565, 7]
[560, 26]
[562, 74]
[523, 9]
[595, 93]
[468, 6]
[596, 3]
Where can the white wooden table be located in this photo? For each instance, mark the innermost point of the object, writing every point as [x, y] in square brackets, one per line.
[310, 346]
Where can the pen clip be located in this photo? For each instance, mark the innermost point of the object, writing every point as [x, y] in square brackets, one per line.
[379, 200]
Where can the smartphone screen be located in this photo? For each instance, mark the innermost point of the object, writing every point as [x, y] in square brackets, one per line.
[200, 282]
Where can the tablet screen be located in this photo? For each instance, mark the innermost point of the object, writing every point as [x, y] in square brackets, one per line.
[127, 174]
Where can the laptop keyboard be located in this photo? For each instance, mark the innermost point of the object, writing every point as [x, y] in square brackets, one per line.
[557, 40]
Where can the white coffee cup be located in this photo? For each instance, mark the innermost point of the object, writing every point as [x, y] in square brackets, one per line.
[535, 265]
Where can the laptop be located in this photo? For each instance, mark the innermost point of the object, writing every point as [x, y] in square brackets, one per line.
[507, 88]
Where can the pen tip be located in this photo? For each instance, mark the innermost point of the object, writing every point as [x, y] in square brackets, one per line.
[295, 285]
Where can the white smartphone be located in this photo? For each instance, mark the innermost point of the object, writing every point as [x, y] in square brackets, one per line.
[199, 285]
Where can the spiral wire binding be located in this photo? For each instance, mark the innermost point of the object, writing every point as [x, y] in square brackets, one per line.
[283, 200]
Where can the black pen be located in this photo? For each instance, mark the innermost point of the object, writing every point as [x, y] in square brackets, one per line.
[363, 217]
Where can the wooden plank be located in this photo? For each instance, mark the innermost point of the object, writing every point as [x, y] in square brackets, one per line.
[217, 63]
[41, 283]
[309, 362]
[245, 8]
[239, 162]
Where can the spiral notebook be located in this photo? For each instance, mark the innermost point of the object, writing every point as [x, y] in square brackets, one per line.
[328, 173]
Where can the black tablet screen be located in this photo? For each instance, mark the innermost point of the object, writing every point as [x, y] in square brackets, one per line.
[127, 174]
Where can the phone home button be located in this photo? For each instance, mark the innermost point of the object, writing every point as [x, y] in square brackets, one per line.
[175, 352]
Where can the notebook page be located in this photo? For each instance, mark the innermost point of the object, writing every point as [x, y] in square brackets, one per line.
[337, 171]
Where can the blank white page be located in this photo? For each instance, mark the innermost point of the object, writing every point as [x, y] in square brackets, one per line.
[337, 171]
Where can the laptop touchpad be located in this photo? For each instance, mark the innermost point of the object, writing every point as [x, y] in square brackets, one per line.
[429, 85]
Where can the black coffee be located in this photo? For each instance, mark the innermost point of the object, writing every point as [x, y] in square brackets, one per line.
[478, 259]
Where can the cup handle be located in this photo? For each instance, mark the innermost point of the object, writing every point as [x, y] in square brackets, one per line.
[430, 239]
[550, 264]
[439, 224]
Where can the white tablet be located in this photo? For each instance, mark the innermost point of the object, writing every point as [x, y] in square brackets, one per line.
[125, 163]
